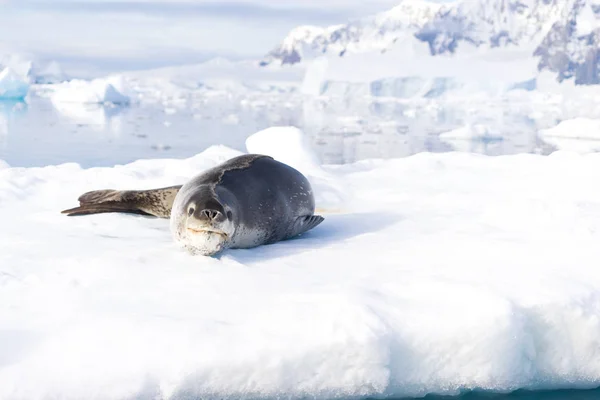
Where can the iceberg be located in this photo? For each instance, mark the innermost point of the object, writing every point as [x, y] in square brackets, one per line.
[98, 91]
[49, 73]
[12, 86]
[581, 135]
[34, 70]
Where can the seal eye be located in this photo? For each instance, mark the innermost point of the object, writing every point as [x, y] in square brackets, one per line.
[229, 215]
[191, 211]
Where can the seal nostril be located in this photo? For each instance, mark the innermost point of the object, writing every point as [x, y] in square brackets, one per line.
[191, 211]
[211, 214]
[229, 215]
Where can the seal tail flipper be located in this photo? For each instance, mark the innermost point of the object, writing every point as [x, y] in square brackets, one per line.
[157, 202]
[305, 224]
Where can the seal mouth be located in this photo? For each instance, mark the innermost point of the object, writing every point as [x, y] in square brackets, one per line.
[194, 231]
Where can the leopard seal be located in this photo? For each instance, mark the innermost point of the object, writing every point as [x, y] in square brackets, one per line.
[247, 201]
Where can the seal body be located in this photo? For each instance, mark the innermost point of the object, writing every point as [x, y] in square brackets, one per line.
[244, 202]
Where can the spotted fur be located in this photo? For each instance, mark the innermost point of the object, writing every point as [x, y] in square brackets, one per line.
[156, 202]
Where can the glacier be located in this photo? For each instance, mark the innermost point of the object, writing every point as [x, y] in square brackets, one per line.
[428, 276]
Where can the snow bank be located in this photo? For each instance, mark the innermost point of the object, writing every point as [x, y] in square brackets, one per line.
[12, 86]
[581, 135]
[437, 277]
[286, 144]
[98, 91]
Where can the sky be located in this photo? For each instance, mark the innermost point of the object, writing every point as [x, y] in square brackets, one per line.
[136, 34]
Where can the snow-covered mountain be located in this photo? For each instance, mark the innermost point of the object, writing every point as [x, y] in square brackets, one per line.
[571, 46]
[563, 34]
[371, 33]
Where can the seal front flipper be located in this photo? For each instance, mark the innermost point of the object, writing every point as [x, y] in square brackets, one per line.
[304, 224]
[157, 202]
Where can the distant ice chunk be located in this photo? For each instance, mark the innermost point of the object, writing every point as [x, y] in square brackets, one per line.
[463, 138]
[95, 116]
[231, 119]
[581, 135]
[47, 73]
[33, 70]
[99, 91]
[91, 103]
[286, 144]
[12, 86]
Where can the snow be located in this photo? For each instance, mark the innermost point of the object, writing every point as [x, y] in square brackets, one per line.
[98, 91]
[417, 12]
[12, 86]
[578, 134]
[286, 144]
[446, 27]
[373, 33]
[586, 20]
[432, 276]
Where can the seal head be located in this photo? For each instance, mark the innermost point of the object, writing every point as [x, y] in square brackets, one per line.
[202, 223]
